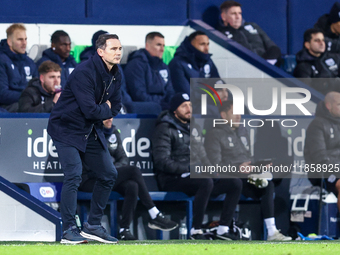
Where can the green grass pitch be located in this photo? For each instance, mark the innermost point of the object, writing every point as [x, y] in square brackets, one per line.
[174, 247]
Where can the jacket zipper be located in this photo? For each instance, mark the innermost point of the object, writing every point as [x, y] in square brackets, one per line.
[106, 88]
[87, 136]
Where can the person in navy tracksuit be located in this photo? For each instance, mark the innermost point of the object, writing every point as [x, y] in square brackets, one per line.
[16, 68]
[91, 95]
[192, 60]
[60, 53]
[147, 76]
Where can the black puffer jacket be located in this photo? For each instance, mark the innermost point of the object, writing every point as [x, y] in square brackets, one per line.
[225, 146]
[332, 40]
[171, 146]
[325, 66]
[251, 36]
[35, 99]
[322, 144]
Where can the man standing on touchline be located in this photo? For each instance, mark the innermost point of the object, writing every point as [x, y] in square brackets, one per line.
[91, 95]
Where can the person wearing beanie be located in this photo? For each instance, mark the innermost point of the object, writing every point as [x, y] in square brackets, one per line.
[147, 76]
[329, 24]
[313, 61]
[89, 51]
[174, 153]
[192, 60]
[248, 34]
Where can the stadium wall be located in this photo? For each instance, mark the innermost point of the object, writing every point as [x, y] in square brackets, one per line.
[283, 20]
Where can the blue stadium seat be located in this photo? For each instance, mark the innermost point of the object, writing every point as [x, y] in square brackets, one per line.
[289, 63]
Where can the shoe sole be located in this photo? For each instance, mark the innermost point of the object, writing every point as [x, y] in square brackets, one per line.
[65, 241]
[152, 226]
[192, 238]
[280, 240]
[224, 238]
[96, 238]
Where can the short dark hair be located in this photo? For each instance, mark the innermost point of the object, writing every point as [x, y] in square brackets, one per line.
[152, 35]
[226, 106]
[307, 36]
[193, 35]
[57, 34]
[226, 5]
[101, 41]
[48, 66]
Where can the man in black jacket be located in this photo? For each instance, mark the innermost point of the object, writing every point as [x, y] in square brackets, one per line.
[248, 34]
[91, 95]
[322, 144]
[130, 184]
[228, 145]
[314, 62]
[171, 155]
[42, 94]
[329, 24]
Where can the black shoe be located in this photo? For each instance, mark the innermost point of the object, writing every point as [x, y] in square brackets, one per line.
[72, 236]
[162, 223]
[198, 235]
[97, 233]
[126, 235]
[227, 236]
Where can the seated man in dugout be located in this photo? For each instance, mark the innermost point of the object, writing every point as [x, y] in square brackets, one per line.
[147, 76]
[322, 143]
[42, 93]
[313, 61]
[248, 34]
[16, 68]
[171, 156]
[228, 145]
[60, 53]
[192, 60]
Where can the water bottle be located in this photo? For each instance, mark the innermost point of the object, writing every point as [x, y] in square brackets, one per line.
[183, 231]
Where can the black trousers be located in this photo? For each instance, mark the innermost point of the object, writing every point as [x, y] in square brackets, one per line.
[97, 159]
[131, 185]
[202, 189]
[266, 196]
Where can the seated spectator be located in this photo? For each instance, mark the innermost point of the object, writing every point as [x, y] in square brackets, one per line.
[89, 51]
[322, 143]
[228, 145]
[60, 53]
[16, 68]
[147, 76]
[314, 62]
[42, 93]
[171, 157]
[329, 24]
[130, 184]
[192, 60]
[248, 34]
